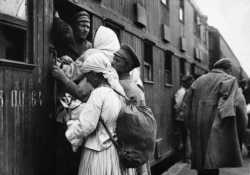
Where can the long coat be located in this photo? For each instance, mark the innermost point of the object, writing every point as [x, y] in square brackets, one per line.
[210, 112]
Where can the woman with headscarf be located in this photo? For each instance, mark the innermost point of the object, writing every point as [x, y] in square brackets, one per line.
[77, 89]
[99, 156]
[105, 42]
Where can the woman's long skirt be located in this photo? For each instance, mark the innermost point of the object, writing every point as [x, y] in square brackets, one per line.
[102, 163]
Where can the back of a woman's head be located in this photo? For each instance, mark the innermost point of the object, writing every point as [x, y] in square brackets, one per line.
[96, 62]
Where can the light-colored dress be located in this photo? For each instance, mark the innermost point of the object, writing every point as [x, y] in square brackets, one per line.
[99, 157]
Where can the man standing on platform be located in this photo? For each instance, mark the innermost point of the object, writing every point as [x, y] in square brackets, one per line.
[210, 111]
[187, 81]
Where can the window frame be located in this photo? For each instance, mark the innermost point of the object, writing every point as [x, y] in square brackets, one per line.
[182, 71]
[116, 27]
[168, 79]
[165, 3]
[182, 11]
[197, 25]
[25, 27]
[148, 62]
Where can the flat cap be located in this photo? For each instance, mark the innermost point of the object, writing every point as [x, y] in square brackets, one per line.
[187, 78]
[81, 16]
[224, 62]
[128, 54]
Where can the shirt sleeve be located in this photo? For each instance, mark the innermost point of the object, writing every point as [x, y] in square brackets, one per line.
[227, 91]
[77, 92]
[88, 119]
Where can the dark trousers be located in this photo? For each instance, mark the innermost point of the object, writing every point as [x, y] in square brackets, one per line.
[209, 172]
[66, 161]
[185, 135]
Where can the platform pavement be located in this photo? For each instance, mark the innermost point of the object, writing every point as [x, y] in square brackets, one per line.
[182, 168]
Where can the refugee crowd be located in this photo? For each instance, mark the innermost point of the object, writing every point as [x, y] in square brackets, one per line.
[96, 80]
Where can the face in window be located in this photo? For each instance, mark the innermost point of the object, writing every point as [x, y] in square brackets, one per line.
[120, 64]
[81, 30]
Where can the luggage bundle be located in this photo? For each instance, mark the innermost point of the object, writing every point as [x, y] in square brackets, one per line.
[136, 133]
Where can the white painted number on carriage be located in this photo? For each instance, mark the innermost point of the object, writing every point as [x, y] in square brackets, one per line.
[36, 98]
[17, 98]
[1, 99]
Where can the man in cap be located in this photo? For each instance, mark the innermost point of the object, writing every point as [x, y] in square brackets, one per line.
[187, 80]
[210, 108]
[70, 39]
[125, 60]
[81, 26]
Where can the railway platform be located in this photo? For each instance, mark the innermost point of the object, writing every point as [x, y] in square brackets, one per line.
[181, 168]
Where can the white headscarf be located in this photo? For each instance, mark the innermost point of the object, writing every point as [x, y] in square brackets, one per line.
[105, 41]
[98, 62]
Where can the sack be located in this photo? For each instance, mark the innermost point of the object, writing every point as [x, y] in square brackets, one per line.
[136, 133]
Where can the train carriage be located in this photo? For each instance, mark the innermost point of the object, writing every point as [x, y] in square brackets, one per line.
[169, 36]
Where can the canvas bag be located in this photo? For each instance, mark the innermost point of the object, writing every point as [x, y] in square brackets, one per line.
[136, 133]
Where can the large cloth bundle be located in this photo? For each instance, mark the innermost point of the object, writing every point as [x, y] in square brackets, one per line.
[136, 133]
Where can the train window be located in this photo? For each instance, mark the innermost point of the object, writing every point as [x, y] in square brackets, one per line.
[181, 11]
[168, 68]
[114, 26]
[14, 31]
[165, 14]
[192, 71]
[204, 33]
[148, 62]
[165, 2]
[182, 67]
[13, 43]
[17, 8]
[197, 24]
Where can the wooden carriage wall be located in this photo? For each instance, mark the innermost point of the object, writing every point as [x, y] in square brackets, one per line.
[169, 36]
[167, 47]
[26, 87]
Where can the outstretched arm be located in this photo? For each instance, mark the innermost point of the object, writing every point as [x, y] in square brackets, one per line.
[74, 89]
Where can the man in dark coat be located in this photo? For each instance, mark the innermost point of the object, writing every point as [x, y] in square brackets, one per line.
[210, 108]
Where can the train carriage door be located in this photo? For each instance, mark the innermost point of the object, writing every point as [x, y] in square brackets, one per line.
[15, 69]
[19, 67]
